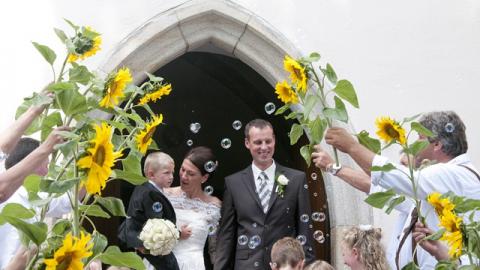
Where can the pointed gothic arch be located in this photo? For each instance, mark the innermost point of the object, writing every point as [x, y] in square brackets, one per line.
[227, 28]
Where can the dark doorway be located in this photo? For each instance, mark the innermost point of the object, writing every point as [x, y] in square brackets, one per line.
[215, 90]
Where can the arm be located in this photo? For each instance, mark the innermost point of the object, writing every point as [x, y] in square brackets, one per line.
[13, 178]
[227, 233]
[356, 178]
[9, 137]
[343, 141]
[303, 207]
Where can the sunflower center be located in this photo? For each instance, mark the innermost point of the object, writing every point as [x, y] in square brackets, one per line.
[298, 73]
[148, 135]
[392, 132]
[64, 261]
[99, 156]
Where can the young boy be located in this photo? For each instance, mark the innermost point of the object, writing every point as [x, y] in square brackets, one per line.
[148, 201]
[287, 254]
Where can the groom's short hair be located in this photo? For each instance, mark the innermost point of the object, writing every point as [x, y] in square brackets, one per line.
[287, 251]
[258, 123]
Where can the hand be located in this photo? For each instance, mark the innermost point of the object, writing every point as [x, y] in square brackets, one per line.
[434, 247]
[38, 109]
[21, 258]
[340, 139]
[141, 250]
[320, 158]
[95, 265]
[185, 232]
[54, 138]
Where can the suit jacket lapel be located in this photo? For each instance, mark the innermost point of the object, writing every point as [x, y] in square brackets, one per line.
[250, 185]
[273, 197]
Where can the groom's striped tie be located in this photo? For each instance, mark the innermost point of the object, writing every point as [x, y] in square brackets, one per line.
[263, 191]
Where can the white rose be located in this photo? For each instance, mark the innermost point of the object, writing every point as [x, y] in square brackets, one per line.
[282, 180]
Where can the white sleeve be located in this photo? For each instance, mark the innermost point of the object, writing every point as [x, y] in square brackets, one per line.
[59, 206]
[396, 179]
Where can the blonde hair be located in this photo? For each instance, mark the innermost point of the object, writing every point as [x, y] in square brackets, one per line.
[367, 242]
[319, 265]
[287, 251]
[156, 161]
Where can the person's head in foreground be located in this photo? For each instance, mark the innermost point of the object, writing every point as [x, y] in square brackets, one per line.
[362, 249]
[287, 254]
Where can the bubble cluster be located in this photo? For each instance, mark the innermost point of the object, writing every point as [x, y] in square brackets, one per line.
[318, 216]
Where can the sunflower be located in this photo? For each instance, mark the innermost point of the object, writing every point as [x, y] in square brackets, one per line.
[455, 242]
[70, 255]
[99, 160]
[162, 91]
[87, 43]
[285, 93]
[389, 130]
[114, 88]
[450, 221]
[297, 72]
[144, 138]
[439, 204]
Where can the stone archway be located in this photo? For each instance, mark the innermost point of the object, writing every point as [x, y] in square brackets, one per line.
[230, 29]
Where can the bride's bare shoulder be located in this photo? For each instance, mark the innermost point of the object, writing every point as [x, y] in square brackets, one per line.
[214, 200]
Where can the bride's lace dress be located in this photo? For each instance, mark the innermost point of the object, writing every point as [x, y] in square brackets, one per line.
[202, 218]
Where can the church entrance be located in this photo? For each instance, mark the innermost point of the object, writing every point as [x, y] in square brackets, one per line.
[215, 90]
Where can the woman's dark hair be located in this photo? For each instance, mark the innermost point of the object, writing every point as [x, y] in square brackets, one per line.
[200, 156]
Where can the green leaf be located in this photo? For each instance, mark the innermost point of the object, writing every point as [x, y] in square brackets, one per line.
[94, 210]
[331, 75]
[71, 24]
[61, 227]
[71, 102]
[436, 236]
[317, 129]
[114, 256]
[469, 267]
[48, 123]
[282, 109]
[60, 34]
[100, 242]
[135, 117]
[310, 102]
[46, 52]
[113, 205]
[292, 115]
[344, 89]
[61, 86]
[313, 57]
[32, 183]
[51, 186]
[132, 163]
[379, 199]
[372, 144]
[446, 265]
[17, 210]
[306, 152]
[132, 178]
[339, 113]
[154, 78]
[411, 118]
[396, 201]
[417, 147]
[295, 133]
[36, 232]
[35, 100]
[410, 266]
[421, 129]
[79, 74]
[467, 205]
[385, 168]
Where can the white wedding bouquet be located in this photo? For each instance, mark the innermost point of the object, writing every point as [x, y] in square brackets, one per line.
[159, 236]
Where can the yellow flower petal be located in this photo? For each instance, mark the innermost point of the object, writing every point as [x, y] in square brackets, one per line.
[157, 94]
[144, 137]
[285, 93]
[297, 73]
[389, 130]
[99, 160]
[70, 255]
[114, 88]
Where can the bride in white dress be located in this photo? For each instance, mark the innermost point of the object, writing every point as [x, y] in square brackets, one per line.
[195, 209]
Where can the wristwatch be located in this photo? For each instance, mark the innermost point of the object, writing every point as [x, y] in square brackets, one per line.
[333, 168]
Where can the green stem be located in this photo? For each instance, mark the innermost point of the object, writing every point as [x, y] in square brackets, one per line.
[32, 261]
[126, 139]
[60, 75]
[76, 224]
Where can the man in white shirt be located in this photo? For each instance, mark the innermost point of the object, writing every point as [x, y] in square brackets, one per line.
[10, 239]
[453, 172]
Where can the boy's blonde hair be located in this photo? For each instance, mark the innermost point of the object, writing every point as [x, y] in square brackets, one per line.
[366, 240]
[287, 251]
[319, 265]
[156, 161]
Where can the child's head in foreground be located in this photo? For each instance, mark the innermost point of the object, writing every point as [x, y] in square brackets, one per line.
[159, 168]
[362, 249]
[287, 253]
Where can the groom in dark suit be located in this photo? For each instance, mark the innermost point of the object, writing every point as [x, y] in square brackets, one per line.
[258, 210]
